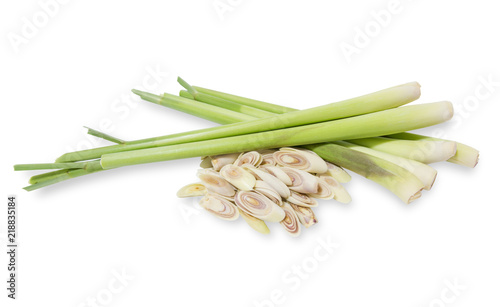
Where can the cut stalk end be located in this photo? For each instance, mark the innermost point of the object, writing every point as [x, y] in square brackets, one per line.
[464, 155]
[424, 151]
[147, 96]
[187, 86]
[104, 136]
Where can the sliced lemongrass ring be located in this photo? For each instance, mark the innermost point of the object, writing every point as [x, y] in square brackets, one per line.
[220, 207]
[192, 190]
[215, 183]
[300, 159]
[291, 221]
[259, 206]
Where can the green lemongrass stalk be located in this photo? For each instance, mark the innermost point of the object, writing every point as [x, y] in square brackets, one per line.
[397, 179]
[187, 106]
[219, 102]
[241, 123]
[465, 155]
[38, 166]
[226, 104]
[369, 125]
[274, 108]
[424, 172]
[422, 151]
[47, 179]
[185, 94]
[104, 136]
[46, 176]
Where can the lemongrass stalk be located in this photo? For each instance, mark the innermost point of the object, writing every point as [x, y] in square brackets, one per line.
[274, 108]
[188, 106]
[104, 136]
[50, 180]
[219, 102]
[369, 125]
[46, 176]
[421, 151]
[398, 180]
[39, 166]
[226, 104]
[465, 155]
[381, 100]
[424, 172]
[58, 176]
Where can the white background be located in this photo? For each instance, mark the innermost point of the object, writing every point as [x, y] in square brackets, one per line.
[78, 69]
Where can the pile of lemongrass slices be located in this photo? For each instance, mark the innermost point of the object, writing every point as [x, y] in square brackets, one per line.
[268, 186]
